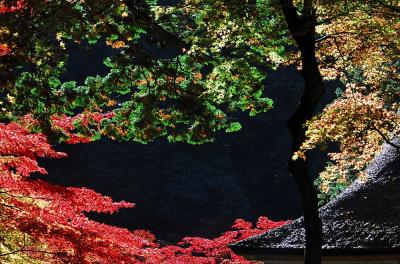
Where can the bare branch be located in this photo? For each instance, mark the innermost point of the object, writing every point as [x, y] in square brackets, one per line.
[387, 140]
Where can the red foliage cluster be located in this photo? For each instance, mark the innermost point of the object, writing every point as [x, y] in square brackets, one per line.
[68, 125]
[53, 217]
[4, 50]
[210, 251]
[6, 7]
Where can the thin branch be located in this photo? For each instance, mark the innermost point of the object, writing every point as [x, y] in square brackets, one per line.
[24, 196]
[389, 6]
[28, 250]
[11, 206]
[308, 9]
[334, 35]
[387, 140]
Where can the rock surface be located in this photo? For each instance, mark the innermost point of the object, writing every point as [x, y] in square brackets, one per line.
[366, 216]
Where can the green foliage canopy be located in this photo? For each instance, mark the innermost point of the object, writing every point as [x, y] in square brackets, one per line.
[213, 71]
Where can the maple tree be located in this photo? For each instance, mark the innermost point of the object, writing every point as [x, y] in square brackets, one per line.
[365, 114]
[41, 222]
[213, 69]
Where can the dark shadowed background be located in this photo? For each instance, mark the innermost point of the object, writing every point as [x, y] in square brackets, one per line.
[185, 190]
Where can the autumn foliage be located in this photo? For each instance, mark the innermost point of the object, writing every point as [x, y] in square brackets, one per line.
[358, 44]
[9, 8]
[187, 97]
[6, 7]
[45, 222]
[50, 219]
[4, 50]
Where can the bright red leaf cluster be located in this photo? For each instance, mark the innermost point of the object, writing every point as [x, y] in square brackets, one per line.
[210, 251]
[52, 218]
[13, 7]
[4, 50]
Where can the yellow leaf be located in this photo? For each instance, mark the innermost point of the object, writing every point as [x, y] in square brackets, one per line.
[118, 44]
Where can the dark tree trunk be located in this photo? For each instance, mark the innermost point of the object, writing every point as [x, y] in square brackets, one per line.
[302, 28]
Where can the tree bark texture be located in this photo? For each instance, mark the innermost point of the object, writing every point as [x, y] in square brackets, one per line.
[302, 28]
